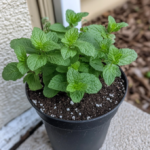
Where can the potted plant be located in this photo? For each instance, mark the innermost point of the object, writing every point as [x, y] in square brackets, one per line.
[73, 79]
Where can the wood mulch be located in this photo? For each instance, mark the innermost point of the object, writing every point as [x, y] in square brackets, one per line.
[137, 36]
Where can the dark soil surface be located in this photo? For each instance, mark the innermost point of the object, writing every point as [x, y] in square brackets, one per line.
[91, 106]
[136, 36]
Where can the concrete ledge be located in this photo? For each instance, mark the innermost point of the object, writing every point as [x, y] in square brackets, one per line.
[129, 130]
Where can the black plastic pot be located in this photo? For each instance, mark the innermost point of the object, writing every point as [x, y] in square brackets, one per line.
[78, 135]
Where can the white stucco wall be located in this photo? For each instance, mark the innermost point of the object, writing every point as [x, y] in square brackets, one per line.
[14, 23]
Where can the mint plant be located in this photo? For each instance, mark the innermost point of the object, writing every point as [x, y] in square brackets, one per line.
[68, 60]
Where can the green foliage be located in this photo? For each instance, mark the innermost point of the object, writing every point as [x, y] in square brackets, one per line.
[73, 18]
[11, 72]
[113, 26]
[60, 58]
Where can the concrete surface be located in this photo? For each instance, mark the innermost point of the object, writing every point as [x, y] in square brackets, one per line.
[14, 23]
[129, 130]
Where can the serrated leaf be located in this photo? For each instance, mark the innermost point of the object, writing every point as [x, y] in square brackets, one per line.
[94, 72]
[114, 55]
[21, 53]
[112, 38]
[74, 59]
[109, 73]
[35, 61]
[38, 38]
[105, 45]
[93, 36]
[98, 29]
[58, 82]
[71, 36]
[112, 25]
[62, 69]
[50, 45]
[33, 81]
[58, 27]
[120, 25]
[72, 18]
[11, 72]
[52, 36]
[86, 48]
[38, 71]
[66, 52]
[48, 71]
[96, 64]
[73, 75]
[93, 83]
[24, 42]
[23, 68]
[56, 58]
[84, 67]
[75, 66]
[128, 56]
[77, 86]
[49, 92]
[77, 96]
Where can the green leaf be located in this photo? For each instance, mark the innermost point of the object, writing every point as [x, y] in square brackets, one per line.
[21, 53]
[66, 52]
[58, 83]
[74, 59]
[56, 58]
[11, 72]
[71, 36]
[112, 38]
[75, 66]
[84, 67]
[96, 64]
[35, 61]
[93, 83]
[77, 86]
[60, 35]
[99, 30]
[38, 38]
[38, 71]
[81, 15]
[52, 36]
[120, 25]
[114, 55]
[93, 36]
[33, 81]
[109, 73]
[23, 68]
[105, 45]
[62, 69]
[49, 92]
[77, 96]
[73, 75]
[48, 71]
[94, 72]
[86, 48]
[50, 45]
[58, 27]
[112, 25]
[128, 56]
[72, 18]
[24, 42]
